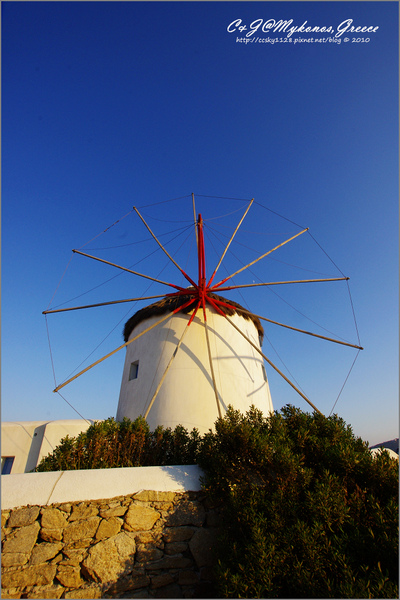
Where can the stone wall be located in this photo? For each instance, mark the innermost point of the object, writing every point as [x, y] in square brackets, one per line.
[147, 545]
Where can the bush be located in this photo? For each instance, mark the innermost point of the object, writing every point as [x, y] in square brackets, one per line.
[107, 444]
[307, 511]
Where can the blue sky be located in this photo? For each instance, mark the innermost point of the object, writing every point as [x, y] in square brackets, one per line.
[107, 105]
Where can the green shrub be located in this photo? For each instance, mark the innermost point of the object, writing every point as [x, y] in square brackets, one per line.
[107, 444]
[307, 511]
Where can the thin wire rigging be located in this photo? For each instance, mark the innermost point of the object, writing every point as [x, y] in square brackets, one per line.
[59, 283]
[51, 353]
[73, 408]
[283, 362]
[238, 243]
[143, 241]
[345, 381]
[107, 228]
[164, 201]
[278, 214]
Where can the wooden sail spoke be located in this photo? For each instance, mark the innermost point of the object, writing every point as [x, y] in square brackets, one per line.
[230, 241]
[58, 310]
[166, 371]
[259, 258]
[247, 285]
[211, 363]
[59, 387]
[322, 337]
[176, 287]
[163, 249]
[273, 366]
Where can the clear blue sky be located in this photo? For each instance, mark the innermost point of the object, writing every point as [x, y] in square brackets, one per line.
[109, 105]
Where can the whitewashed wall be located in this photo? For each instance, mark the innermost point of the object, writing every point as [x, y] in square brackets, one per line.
[71, 486]
[30, 441]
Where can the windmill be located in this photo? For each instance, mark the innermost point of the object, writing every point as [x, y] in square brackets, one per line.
[193, 352]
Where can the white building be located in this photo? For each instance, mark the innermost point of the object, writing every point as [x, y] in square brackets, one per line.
[25, 443]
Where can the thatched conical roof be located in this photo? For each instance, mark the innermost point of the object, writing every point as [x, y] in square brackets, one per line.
[171, 303]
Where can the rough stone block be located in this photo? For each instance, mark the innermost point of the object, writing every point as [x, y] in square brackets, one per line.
[57, 559]
[65, 507]
[154, 496]
[113, 511]
[23, 540]
[110, 559]
[125, 584]
[187, 513]
[163, 507]
[175, 547]
[83, 511]
[140, 518]
[108, 528]
[5, 532]
[43, 552]
[23, 516]
[85, 593]
[169, 562]
[35, 575]
[178, 534]
[14, 559]
[79, 530]
[51, 535]
[145, 553]
[79, 544]
[69, 576]
[4, 517]
[44, 591]
[11, 593]
[73, 556]
[149, 537]
[139, 580]
[201, 546]
[161, 580]
[52, 518]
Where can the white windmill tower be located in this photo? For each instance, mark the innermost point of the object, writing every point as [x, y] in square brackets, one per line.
[193, 353]
[178, 374]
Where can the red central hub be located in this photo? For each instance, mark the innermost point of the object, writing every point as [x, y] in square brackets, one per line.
[199, 293]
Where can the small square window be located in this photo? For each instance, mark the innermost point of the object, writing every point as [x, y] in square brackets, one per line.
[133, 371]
[264, 373]
[6, 464]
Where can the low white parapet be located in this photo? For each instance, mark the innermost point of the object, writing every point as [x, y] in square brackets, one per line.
[95, 484]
